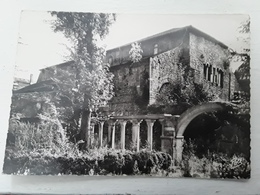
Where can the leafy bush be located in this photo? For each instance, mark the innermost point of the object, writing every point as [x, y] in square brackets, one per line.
[94, 162]
[215, 165]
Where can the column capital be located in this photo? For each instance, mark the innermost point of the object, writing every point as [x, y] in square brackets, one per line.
[101, 122]
[112, 122]
[161, 120]
[136, 121]
[150, 120]
[122, 122]
[92, 123]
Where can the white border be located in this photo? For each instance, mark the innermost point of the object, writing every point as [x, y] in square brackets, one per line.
[9, 20]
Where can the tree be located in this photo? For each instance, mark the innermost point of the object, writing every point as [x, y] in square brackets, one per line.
[243, 72]
[135, 52]
[89, 85]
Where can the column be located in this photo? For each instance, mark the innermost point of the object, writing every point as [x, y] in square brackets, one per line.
[100, 133]
[112, 132]
[122, 126]
[179, 147]
[91, 133]
[150, 124]
[136, 134]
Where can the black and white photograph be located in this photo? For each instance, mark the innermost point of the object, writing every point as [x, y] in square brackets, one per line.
[113, 94]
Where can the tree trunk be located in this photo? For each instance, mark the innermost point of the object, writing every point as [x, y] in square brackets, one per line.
[85, 127]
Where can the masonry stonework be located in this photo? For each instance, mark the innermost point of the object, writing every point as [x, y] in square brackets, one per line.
[137, 85]
[203, 51]
[131, 87]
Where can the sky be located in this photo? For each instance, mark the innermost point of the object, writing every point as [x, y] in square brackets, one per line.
[38, 46]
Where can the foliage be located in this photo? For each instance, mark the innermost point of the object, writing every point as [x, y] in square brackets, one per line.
[46, 138]
[243, 72]
[90, 85]
[214, 165]
[135, 52]
[101, 161]
[175, 98]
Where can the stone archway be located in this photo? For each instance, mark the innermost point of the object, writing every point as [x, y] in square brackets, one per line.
[188, 116]
[195, 111]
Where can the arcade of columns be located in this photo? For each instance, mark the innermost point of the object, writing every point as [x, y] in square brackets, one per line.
[169, 142]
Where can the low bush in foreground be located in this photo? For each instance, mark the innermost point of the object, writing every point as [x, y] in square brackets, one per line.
[96, 162]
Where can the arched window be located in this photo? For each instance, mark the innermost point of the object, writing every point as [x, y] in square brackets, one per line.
[156, 49]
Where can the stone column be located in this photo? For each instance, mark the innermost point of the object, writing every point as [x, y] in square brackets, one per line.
[112, 125]
[91, 133]
[150, 123]
[136, 133]
[122, 126]
[100, 133]
[179, 147]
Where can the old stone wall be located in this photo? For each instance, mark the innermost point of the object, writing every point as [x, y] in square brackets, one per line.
[151, 46]
[165, 68]
[204, 52]
[131, 87]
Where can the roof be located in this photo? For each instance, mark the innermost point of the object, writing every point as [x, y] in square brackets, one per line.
[155, 36]
[176, 30]
[44, 86]
[64, 64]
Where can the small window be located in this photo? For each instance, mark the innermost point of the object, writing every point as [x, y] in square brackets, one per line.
[156, 50]
[209, 72]
[110, 60]
[205, 71]
[221, 79]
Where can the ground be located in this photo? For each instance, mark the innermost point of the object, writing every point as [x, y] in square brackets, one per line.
[128, 185]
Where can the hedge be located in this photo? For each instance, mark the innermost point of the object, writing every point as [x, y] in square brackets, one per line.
[115, 162]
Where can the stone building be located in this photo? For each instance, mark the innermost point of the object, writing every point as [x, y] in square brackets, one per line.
[165, 55]
[165, 59]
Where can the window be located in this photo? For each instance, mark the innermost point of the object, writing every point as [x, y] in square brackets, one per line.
[155, 50]
[221, 79]
[209, 72]
[205, 68]
[110, 60]
[214, 75]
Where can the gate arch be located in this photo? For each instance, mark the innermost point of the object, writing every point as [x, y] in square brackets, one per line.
[195, 111]
[188, 116]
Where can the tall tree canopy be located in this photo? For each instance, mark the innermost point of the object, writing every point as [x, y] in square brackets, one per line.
[243, 72]
[89, 85]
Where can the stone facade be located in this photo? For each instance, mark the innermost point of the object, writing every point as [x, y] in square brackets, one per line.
[165, 57]
[131, 82]
[204, 52]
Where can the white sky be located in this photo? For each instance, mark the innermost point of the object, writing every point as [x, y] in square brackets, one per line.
[39, 46]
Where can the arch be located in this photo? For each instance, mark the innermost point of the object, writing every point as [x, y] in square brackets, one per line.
[128, 134]
[143, 134]
[164, 87]
[117, 135]
[157, 133]
[105, 141]
[195, 111]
